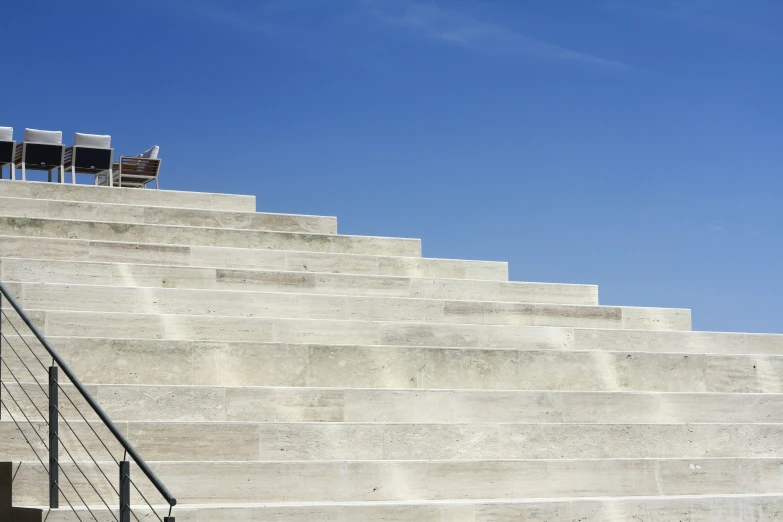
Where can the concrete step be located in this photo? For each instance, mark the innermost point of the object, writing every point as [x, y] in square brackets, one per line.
[231, 303]
[71, 250]
[222, 328]
[148, 214]
[136, 361]
[158, 198]
[660, 508]
[254, 330]
[334, 481]
[252, 441]
[127, 274]
[683, 342]
[286, 404]
[205, 236]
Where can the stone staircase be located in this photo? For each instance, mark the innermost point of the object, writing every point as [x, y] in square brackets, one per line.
[270, 369]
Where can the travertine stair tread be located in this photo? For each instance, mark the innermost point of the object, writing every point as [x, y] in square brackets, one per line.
[677, 508]
[107, 361]
[255, 303]
[131, 196]
[195, 278]
[312, 404]
[230, 258]
[325, 441]
[119, 325]
[157, 215]
[221, 482]
[208, 236]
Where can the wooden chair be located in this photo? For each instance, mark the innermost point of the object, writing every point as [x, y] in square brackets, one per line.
[41, 150]
[90, 154]
[7, 147]
[134, 171]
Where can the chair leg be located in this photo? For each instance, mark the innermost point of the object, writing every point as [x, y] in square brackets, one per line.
[73, 175]
[50, 175]
[24, 173]
[156, 183]
[13, 171]
[111, 177]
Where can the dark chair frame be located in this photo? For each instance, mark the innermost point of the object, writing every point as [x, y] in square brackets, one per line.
[89, 160]
[7, 152]
[40, 156]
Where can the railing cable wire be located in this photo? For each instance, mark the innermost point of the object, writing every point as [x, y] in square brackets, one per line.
[23, 391]
[145, 500]
[35, 452]
[23, 339]
[77, 494]
[73, 460]
[62, 443]
[24, 415]
[58, 361]
[65, 474]
[8, 410]
[35, 379]
[88, 451]
[88, 424]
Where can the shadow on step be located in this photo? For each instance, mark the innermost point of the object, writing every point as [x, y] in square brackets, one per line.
[7, 511]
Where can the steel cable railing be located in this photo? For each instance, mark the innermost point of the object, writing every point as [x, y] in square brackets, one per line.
[36, 454]
[60, 441]
[56, 437]
[55, 414]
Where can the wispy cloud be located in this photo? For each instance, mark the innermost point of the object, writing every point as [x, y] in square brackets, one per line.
[452, 25]
[261, 19]
[457, 28]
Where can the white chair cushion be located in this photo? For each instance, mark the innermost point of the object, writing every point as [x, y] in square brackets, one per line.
[151, 153]
[42, 136]
[6, 133]
[95, 141]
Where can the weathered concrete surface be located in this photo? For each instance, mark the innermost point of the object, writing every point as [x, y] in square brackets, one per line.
[205, 236]
[161, 198]
[206, 278]
[160, 215]
[272, 370]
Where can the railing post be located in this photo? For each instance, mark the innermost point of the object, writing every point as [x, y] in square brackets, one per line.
[54, 469]
[125, 511]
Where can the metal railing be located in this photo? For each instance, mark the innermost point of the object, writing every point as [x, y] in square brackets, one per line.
[52, 421]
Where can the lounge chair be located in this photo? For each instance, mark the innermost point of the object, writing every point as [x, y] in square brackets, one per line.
[7, 146]
[134, 171]
[91, 154]
[41, 150]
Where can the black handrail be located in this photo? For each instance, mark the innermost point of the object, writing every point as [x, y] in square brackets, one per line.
[90, 400]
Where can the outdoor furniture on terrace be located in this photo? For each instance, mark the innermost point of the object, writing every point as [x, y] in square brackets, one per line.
[135, 171]
[41, 150]
[90, 154]
[7, 146]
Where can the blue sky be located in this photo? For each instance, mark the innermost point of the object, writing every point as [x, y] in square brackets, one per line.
[634, 145]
